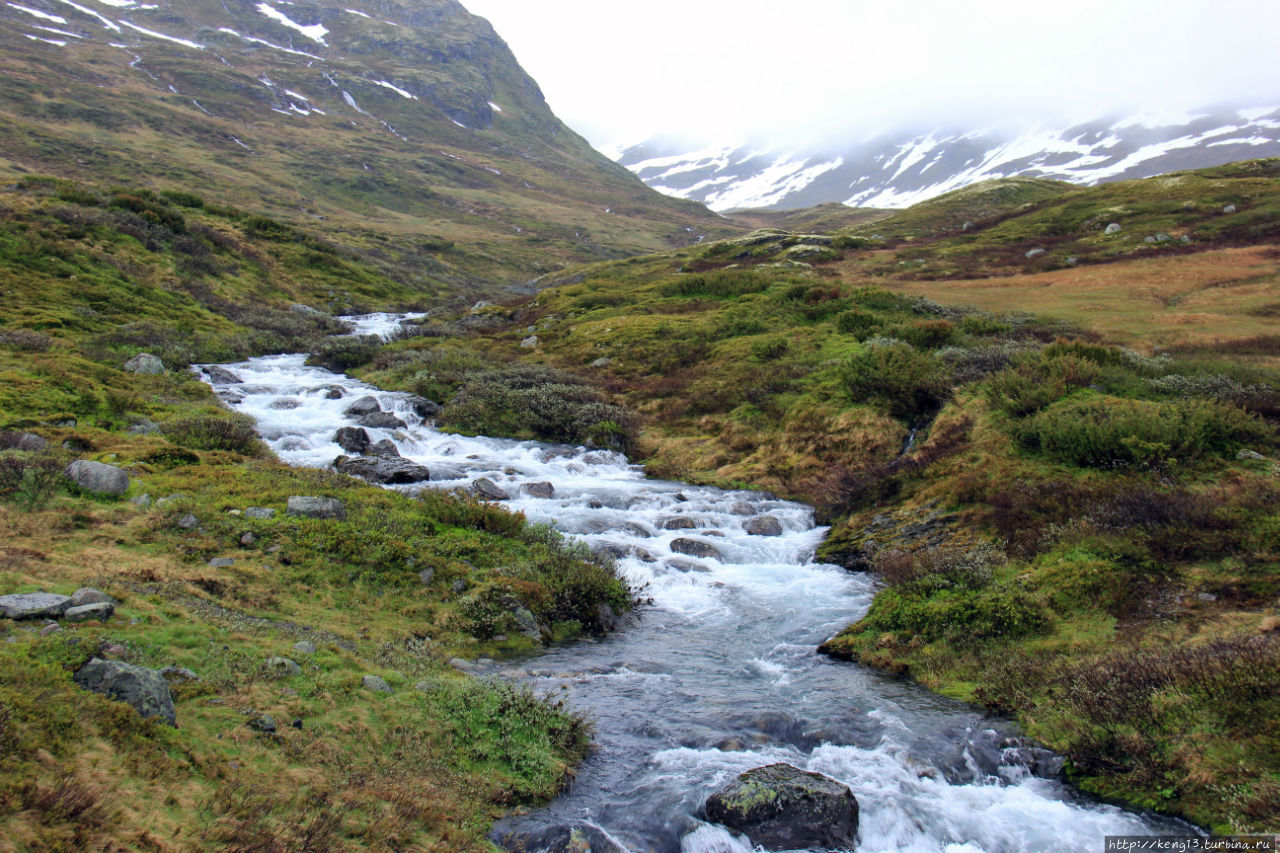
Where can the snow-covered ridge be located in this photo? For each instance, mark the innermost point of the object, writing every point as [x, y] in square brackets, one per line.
[902, 169]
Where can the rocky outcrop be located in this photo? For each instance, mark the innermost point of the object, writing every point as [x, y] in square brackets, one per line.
[312, 507]
[784, 808]
[144, 690]
[98, 477]
[34, 605]
[380, 470]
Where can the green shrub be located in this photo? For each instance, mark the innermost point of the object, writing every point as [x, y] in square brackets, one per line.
[269, 229]
[905, 382]
[923, 334]
[182, 198]
[30, 480]
[770, 349]
[959, 615]
[1105, 432]
[214, 432]
[719, 283]
[1032, 385]
[861, 324]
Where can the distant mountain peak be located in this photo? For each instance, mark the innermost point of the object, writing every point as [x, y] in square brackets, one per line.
[898, 169]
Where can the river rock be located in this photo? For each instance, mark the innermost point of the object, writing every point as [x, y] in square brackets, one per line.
[146, 364]
[782, 807]
[100, 610]
[364, 406]
[221, 376]
[680, 522]
[694, 548]
[539, 490]
[385, 471]
[488, 490]
[144, 690]
[569, 838]
[385, 449]
[312, 507]
[382, 420]
[763, 525]
[352, 439]
[286, 404]
[424, 408]
[34, 605]
[98, 477]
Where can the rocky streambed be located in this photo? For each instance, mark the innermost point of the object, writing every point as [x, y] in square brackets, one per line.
[719, 675]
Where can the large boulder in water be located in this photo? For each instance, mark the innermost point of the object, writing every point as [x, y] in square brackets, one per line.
[382, 420]
[383, 470]
[364, 406]
[570, 838]
[352, 439]
[763, 525]
[145, 690]
[785, 808]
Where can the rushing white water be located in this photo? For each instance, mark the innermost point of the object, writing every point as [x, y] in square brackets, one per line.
[720, 674]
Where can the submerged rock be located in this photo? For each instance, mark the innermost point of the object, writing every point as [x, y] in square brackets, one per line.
[570, 838]
[144, 690]
[784, 807]
[763, 525]
[694, 548]
[382, 420]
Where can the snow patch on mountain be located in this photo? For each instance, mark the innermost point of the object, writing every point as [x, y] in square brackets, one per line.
[315, 32]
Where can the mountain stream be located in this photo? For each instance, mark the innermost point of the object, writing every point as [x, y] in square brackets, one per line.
[719, 674]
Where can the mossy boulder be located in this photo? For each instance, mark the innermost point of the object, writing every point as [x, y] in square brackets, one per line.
[783, 807]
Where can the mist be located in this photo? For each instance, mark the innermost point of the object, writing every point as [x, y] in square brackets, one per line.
[732, 71]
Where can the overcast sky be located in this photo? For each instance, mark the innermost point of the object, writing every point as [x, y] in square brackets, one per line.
[729, 70]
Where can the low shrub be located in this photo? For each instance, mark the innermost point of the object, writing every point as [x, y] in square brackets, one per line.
[962, 616]
[906, 382]
[1106, 432]
[1034, 384]
[719, 283]
[214, 432]
[30, 480]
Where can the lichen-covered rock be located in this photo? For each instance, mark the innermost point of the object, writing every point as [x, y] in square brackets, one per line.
[99, 610]
[259, 512]
[281, 667]
[144, 690]
[146, 364]
[34, 605]
[313, 507]
[98, 477]
[375, 683]
[88, 595]
[570, 838]
[385, 471]
[783, 807]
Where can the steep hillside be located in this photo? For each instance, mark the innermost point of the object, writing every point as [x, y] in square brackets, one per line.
[900, 168]
[405, 132]
[1069, 492]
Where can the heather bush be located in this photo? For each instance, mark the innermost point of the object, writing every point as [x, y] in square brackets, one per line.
[719, 283]
[962, 616]
[214, 432]
[30, 480]
[1034, 384]
[906, 382]
[1106, 432]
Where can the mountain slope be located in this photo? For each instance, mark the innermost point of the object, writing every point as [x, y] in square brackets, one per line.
[405, 131]
[901, 168]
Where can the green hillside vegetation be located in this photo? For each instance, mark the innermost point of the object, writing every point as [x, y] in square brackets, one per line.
[1074, 515]
[434, 190]
[398, 588]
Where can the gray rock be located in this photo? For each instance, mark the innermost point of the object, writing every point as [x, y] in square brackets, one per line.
[305, 647]
[364, 406]
[742, 508]
[1231, 208]
[686, 566]
[221, 376]
[98, 477]
[460, 585]
[488, 490]
[607, 619]
[375, 683]
[680, 522]
[101, 611]
[31, 442]
[88, 595]
[50, 628]
[424, 408]
[1163, 238]
[146, 364]
[34, 605]
[1034, 252]
[286, 404]
[386, 471]
[188, 522]
[426, 575]
[352, 439]
[144, 690]
[1149, 239]
[1185, 238]
[382, 420]
[332, 392]
[636, 529]
[462, 665]
[966, 226]
[177, 673]
[264, 724]
[602, 362]
[143, 426]
[221, 563]
[782, 807]
[142, 501]
[1250, 454]
[386, 449]
[567, 838]
[539, 490]
[529, 342]
[1113, 228]
[259, 512]
[527, 624]
[281, 667]
[313, 507]
[763, 525]
[306, 310]
[248, 539]
[694, 548]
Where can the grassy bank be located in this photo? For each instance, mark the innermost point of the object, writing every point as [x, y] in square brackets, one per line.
[1056, 445]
